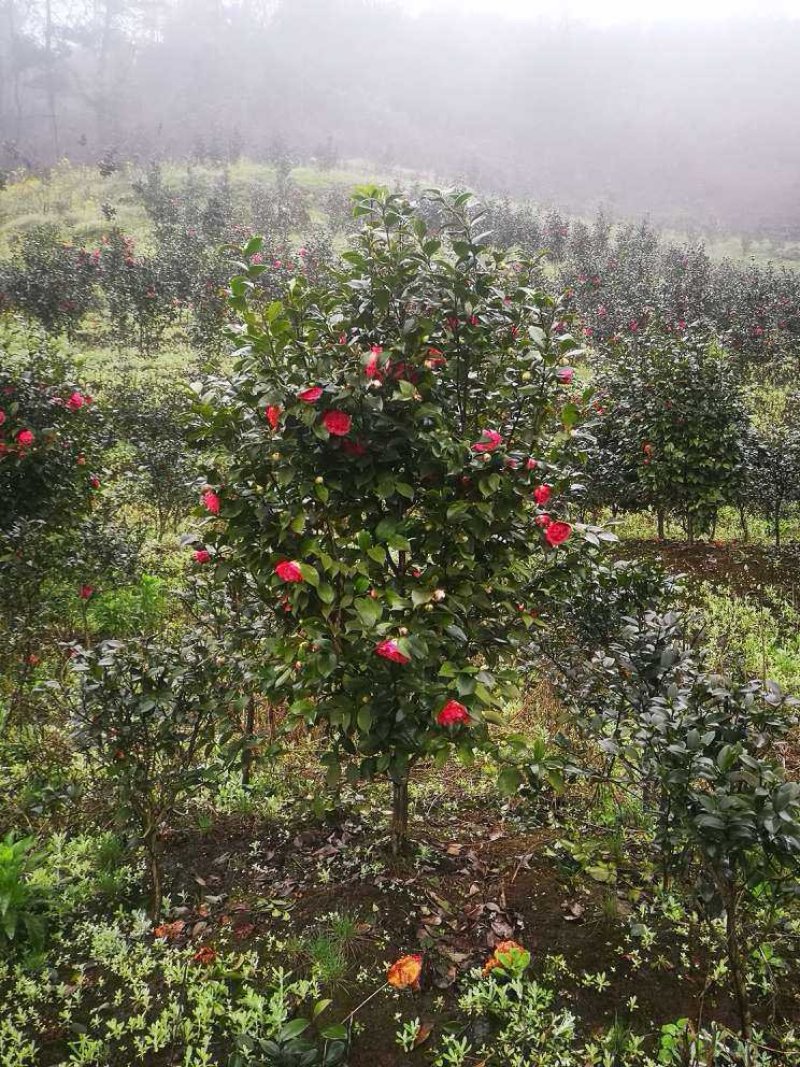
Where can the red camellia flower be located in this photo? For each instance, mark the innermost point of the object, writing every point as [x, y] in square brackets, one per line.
[452, 714]
[557, 533]
[337, 423]
[273, 415]
[202, 555]
[389, 650]
[76, 401]
[542, 493]
[354, 448]
[94, 482]
[490, 440]
[310, 395]
[436, 358]
[210, 501]
[565, 375]
[543, 521]
[86, 592]
[25, 438]
[289, 571]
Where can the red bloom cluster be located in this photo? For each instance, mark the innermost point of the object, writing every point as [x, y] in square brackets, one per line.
[310, 395]
[337, 423]
[452, 714]
[389, 650]
[557, 533]
[210, 501]
[490, 440]
[289, 571]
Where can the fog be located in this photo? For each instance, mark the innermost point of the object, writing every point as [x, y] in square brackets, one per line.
[692, 120]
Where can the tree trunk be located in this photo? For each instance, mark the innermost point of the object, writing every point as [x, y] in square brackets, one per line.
[155, 873]
[777, 527]
[49, 78]
[735, 962]
[399, 828]
[660, 519]
[743, 524]
[249, 728]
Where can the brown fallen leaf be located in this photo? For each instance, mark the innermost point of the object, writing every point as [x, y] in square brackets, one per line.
[170, 931]
[424, 1031]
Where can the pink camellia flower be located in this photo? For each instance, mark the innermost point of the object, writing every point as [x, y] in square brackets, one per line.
[542, 493]
[452, 714]
[337, 423]
[25, 438]
[86, 592]
[257, 259]
[310, 395]
[76, 401]
[633, 326]
[565, 375]
[389, 650]
[202, 555]
[557, 533]
[289, 571]
[588, 331]
[543, 521]
[531, 464]
[210, 501]
[342, 338]
[273, 415]
[372, 369]
[490, 440]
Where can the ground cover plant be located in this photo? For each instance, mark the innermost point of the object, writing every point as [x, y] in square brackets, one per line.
[398, 665]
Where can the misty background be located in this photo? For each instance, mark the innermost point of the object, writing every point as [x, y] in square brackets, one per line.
[692, 122]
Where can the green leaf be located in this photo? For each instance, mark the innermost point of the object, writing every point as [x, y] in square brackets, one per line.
[509, 780]
[369, 611]
[310, 574]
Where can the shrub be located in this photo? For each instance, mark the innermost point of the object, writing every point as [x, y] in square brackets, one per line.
[700, 750]
[389, 477]
[147, 715]
[674, 418]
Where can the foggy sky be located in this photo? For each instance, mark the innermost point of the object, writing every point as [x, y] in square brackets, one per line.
[609, 12]
[683, 110]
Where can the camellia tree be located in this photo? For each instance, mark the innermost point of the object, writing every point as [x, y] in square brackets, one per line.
[388, 476]
[674, 417]
[48, 435]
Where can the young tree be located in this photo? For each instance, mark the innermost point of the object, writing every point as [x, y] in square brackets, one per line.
[675, 419]
[773, 482]
[388, 476]
[147, 715]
